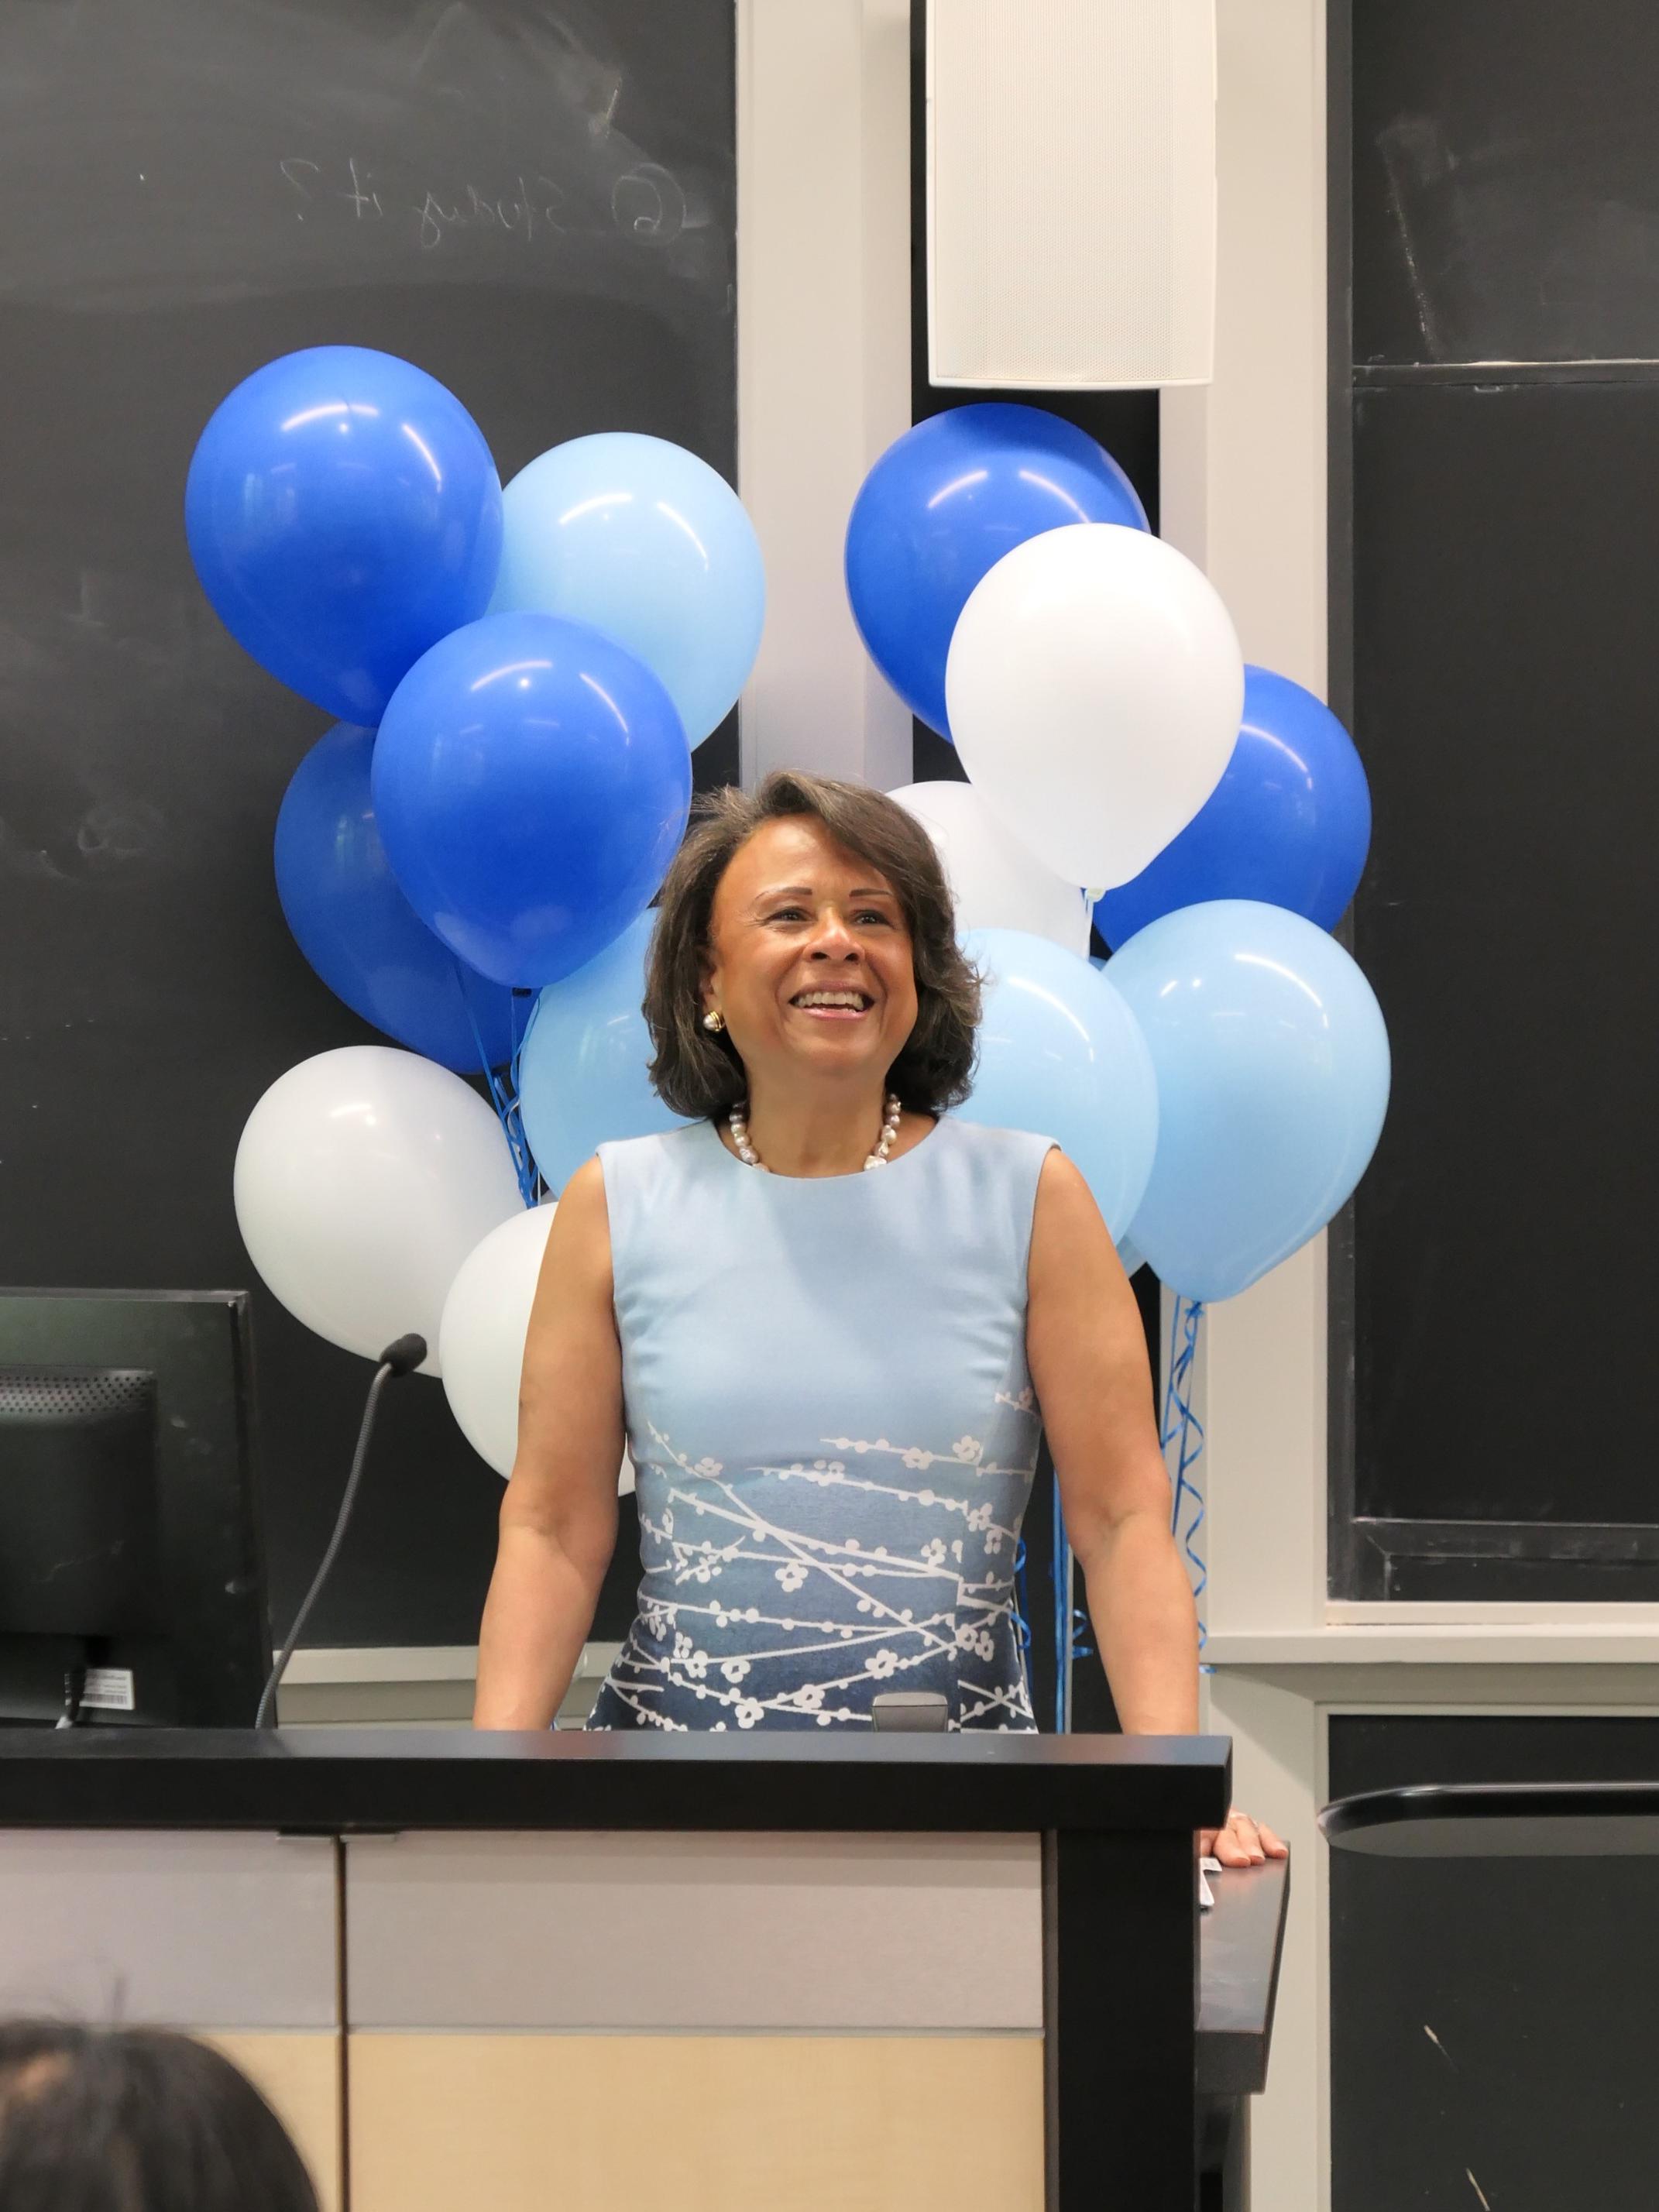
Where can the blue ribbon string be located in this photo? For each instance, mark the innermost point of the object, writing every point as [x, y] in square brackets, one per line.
[504, 1097]
[1022, 1599]
[1180, 1426]
[1072, 1624]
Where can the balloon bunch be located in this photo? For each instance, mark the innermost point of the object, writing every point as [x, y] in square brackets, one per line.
[518, 678]
[1221, 1079]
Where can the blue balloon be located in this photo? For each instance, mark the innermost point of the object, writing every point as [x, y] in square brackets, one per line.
[1273, 1081]
[942, 506]
[1060, 1053]
[343, 514]
[1130, 1257]
[648, 543]
[357, 929]
[582, 1078]
[1289, 822]
[531, 781]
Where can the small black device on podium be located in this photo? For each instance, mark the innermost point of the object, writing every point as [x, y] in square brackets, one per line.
[912, 1712]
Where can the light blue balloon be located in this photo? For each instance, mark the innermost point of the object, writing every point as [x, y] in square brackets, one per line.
[640, 539]
[582, 1073]
[1060, 1053]
[1273, 1081]
[1130, 1256]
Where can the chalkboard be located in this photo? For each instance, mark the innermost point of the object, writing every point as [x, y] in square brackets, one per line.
[1504, 705]
[1506, 195]
[536, 204]
[1503, 563]
[1491, 2019]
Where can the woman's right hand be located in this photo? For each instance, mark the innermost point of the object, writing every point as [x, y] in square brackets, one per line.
[558, 1519]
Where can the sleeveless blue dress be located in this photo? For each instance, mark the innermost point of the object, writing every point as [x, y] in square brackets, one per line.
[832, 1427]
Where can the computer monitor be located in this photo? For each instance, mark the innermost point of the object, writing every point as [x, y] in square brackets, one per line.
[131, 1570]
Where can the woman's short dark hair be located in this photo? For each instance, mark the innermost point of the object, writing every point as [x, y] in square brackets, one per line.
[136, 2119]
[698, 1072]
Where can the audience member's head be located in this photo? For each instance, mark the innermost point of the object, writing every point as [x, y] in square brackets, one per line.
[136, 2120]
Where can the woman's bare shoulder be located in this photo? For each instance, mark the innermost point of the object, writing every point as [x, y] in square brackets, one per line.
[585, 1192]
[1062, 1192]
[1069, 1240]
[580, 1235]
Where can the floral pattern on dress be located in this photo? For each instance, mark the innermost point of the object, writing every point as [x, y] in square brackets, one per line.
[791, 1595]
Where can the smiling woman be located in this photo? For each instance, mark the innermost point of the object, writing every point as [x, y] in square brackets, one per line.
[809, 886]
[832, 1382]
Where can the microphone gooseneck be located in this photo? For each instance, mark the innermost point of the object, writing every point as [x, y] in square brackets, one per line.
[401, 1357]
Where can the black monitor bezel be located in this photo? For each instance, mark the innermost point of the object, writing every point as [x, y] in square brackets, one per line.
[199, 1346]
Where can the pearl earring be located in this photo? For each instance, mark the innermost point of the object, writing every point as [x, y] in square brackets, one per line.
[713, 1020]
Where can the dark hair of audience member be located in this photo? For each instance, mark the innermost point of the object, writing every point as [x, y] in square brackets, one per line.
[136, 2119]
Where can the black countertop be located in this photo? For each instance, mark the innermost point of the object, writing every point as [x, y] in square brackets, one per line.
[1240, 1944]
[1500, 1820]
[351, 1780]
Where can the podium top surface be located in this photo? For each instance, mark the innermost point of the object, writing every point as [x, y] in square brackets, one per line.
[351, 1779]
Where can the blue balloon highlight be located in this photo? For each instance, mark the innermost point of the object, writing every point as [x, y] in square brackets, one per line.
[1272, 1082]
[1060, 1053]
[942, 506]
[582, 1078]
[359, 932]
[643, 540]
[343, 514]
[531, 781]
[1289, 824]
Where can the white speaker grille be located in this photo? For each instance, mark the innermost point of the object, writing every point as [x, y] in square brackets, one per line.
[1070, 192]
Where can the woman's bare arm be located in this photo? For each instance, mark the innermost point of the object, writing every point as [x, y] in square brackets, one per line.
[558, 1523]
[1088, 1361]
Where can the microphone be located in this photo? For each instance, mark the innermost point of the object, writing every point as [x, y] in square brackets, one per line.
[401, 1357]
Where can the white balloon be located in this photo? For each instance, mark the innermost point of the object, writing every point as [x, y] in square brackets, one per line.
[481, 1338]
[363, 1179]
[996, 883]
[1095, 687]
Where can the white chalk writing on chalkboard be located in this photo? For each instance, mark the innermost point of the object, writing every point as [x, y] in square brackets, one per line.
[648, 202]
[143, 756]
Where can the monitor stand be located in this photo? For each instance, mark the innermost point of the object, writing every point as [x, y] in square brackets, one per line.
[43, 1680]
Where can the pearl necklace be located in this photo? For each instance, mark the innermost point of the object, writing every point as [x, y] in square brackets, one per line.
[738, 1122]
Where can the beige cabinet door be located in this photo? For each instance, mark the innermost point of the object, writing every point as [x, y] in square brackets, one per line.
[805, 2024]
[233, 1937]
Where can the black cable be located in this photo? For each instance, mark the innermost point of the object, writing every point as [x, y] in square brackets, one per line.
[399, 1358]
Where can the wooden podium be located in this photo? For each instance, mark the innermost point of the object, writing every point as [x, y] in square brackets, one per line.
[789, 1971]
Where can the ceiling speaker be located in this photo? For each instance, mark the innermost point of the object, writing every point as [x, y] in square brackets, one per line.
[1071, 193]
